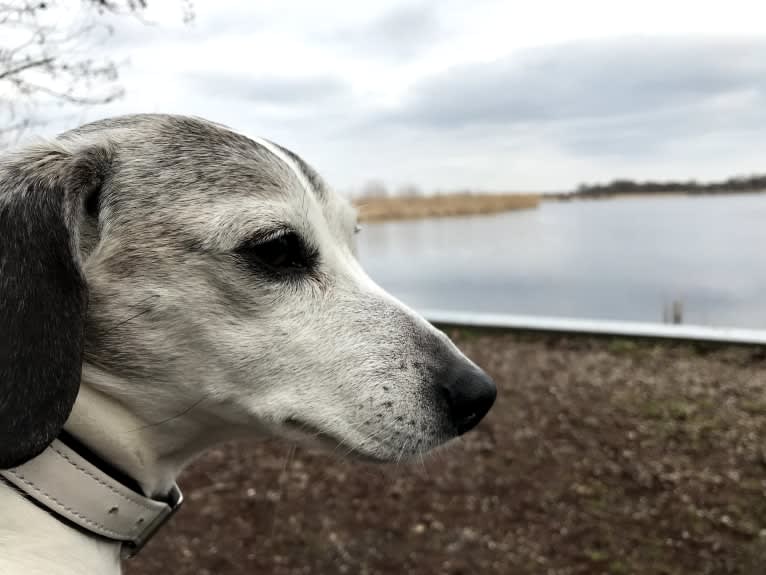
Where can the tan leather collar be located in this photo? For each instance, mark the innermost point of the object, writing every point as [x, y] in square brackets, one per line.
[64, 482]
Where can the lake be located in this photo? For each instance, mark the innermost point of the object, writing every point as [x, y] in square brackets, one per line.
[621, 259]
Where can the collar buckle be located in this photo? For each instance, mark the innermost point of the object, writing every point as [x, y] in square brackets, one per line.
[174, 501]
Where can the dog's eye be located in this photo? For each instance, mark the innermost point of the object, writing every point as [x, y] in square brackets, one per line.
[283, 253]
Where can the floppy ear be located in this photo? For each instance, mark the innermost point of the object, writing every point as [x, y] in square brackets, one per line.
[43, 295]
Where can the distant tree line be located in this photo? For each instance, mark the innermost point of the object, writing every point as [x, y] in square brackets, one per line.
[375, 189]
[756, 183]
[378, 189]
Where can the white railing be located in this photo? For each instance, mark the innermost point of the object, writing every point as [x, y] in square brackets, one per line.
[598, 327]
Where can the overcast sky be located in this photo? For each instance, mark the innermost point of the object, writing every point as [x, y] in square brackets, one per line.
[449, 94]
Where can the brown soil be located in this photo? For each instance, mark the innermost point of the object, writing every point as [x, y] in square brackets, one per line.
[601, 456]
[398, 208]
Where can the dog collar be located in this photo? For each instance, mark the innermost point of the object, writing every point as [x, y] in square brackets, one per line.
[67, 484]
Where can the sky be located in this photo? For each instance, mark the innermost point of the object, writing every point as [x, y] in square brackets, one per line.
[447, 94]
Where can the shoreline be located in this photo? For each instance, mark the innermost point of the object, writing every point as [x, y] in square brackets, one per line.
[381, 209]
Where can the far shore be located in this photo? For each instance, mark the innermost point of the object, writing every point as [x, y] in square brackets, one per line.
[376, 209]
[448, 205]
[571, 196]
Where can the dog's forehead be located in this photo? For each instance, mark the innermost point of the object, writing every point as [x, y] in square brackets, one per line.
[174, 168]
[171, 155]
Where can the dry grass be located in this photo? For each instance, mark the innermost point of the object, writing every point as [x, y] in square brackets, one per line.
[601, 456]
[400, 208]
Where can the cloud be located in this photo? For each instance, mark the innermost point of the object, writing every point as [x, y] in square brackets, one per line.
[589, 80]
[284, 91]
[453, 94]
[549, 117]
[400, 33]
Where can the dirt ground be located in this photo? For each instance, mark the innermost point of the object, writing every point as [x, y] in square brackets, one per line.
[601, 456]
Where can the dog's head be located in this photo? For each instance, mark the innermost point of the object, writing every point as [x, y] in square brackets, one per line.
[198, 267]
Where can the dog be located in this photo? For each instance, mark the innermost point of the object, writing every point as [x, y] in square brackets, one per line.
[167, 284]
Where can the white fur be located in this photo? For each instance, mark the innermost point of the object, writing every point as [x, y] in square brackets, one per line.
[208, 352]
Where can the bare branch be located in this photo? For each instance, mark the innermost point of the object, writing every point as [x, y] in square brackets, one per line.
[43, 63]
[27, 66]
[70, 98]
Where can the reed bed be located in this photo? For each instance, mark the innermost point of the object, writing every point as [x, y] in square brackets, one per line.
[399, 208]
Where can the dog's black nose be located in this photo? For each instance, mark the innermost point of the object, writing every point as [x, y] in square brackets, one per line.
[470, 393]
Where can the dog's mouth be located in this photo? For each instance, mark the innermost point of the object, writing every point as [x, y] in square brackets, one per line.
[312, 434]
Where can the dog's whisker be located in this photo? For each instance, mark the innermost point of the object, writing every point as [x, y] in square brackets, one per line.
[282, 482]
[172, 418]
[368, 439]
[139, 314]
[419, 451]
[370, 436]
[402, 450]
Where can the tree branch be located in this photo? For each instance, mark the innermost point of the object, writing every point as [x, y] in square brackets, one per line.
[26, 66]
[43, 63]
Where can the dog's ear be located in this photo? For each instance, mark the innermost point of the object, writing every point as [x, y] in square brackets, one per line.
[46, 193]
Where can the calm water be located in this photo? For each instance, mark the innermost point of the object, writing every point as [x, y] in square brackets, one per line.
[613, 259]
